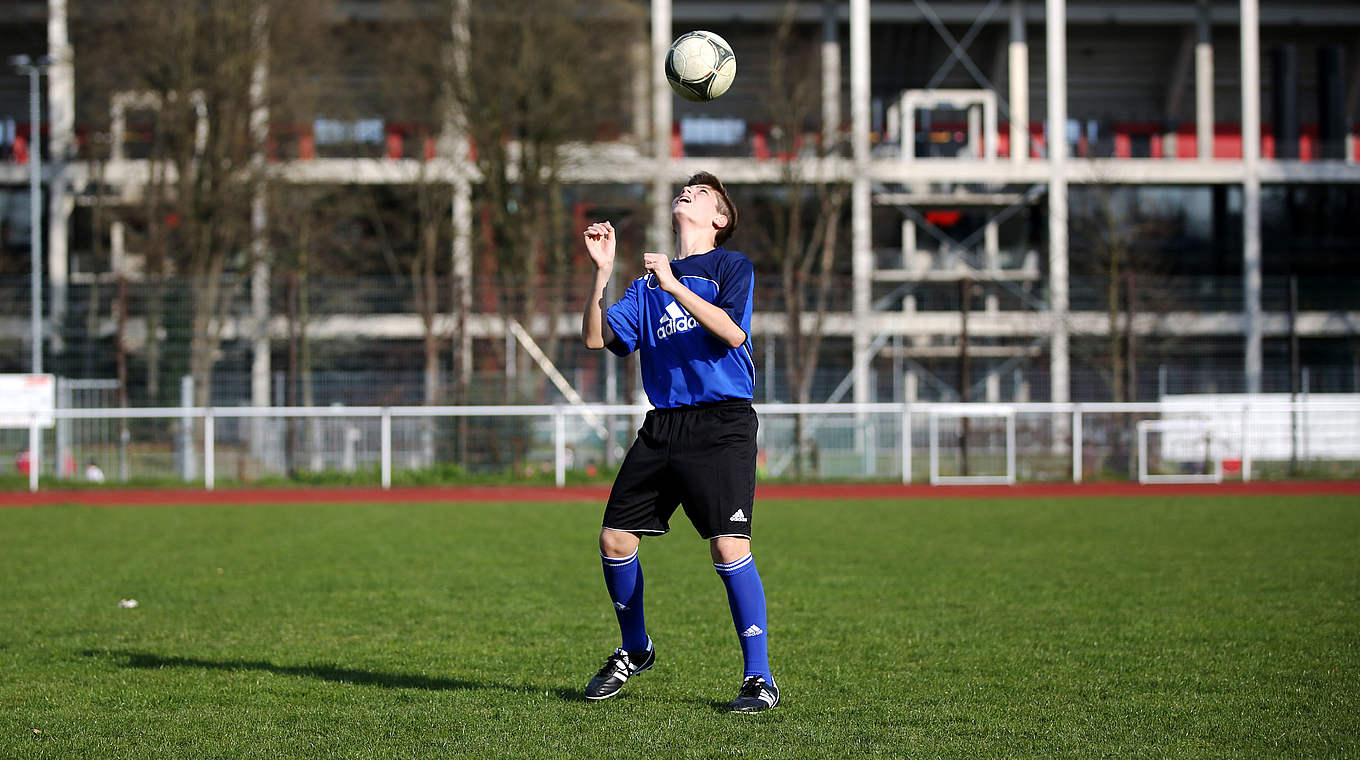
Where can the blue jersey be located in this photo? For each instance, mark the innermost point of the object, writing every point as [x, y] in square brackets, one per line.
[684, 364]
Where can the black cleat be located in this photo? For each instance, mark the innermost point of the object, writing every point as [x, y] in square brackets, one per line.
[617, 670]
[756, 695]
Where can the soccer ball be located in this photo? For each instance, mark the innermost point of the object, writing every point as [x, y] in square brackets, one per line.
[700, 66]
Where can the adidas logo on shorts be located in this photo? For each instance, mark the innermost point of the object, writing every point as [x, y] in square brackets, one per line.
[738, 516]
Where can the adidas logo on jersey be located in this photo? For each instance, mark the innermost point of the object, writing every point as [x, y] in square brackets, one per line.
[675, 320]
[738, 516]
[754, 630]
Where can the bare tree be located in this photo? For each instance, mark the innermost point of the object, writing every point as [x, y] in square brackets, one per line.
[191, 76]
[539, 75]
[1115, 235]
[804, 231]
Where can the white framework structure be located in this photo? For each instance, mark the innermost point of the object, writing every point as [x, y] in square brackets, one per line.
[651, 164]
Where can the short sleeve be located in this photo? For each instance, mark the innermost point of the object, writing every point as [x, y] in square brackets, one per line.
[736, 290]
[623, 318]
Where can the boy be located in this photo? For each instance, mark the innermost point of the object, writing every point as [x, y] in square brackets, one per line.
[691, 321]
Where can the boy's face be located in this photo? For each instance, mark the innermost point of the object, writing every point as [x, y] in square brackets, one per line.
[698, 203]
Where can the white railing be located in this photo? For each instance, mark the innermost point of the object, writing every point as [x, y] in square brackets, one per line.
[873, 431]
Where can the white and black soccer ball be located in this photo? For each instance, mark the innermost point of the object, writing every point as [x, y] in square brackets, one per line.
[700, 66]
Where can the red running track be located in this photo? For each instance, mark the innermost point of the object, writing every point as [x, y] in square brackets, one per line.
[463, 494]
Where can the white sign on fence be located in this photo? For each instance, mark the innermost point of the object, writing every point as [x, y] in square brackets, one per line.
[22, 395]
[1276, 432]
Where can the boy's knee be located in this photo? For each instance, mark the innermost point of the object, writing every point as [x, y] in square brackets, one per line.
[729, 548]
[618, 543]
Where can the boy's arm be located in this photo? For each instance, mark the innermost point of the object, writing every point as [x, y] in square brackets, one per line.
[713, 318]
[600, 243]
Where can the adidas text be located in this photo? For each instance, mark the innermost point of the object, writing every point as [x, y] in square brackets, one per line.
[670, 327]
[738, 516]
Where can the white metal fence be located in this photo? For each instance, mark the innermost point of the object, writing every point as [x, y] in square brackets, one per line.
[1247, 437]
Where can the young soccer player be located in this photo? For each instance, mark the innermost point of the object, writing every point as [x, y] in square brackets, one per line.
[690, 321]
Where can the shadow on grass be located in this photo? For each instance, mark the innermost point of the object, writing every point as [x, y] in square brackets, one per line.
[324, 672]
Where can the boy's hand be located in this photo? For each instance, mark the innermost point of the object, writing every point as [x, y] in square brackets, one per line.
[660, 267]
[600, 244]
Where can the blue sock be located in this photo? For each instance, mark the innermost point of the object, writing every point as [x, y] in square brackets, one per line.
[623, 578]
[746, 597]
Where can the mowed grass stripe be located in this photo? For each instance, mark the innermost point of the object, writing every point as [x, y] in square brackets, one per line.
[1182, 627]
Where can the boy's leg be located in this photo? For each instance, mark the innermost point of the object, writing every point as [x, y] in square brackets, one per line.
[736, 566]
[746, 597]
[623, 578]
[638, 504]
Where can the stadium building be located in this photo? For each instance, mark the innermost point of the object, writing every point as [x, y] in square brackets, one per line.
[1037, 200]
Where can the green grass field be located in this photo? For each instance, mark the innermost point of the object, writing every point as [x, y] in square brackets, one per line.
[1188, 627]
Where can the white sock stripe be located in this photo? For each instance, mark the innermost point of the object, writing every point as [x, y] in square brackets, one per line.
[735, 565]
[735, 561]
[619, 560]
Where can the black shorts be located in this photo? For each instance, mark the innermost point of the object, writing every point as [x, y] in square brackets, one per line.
[703, 457]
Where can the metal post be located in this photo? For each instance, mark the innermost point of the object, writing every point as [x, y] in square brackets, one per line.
[1246, 443]
[1076, 444]
[1293, 374]
[560, 447]
[1010, 448]
[1304, 383]
[934, 428]
[386, 437]
[65, 400]
[209, 451]
[186, 428]
[35, 220]
[906, 443]
[34, 452]
[870, 433]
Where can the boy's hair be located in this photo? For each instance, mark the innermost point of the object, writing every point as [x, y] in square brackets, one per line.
[725, 205]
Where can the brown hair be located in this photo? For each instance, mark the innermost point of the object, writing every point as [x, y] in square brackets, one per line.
[725, 205]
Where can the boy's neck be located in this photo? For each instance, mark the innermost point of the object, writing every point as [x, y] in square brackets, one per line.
[693, 244]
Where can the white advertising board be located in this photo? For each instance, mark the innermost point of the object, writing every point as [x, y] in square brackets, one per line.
[22, 395]
[1275, 433]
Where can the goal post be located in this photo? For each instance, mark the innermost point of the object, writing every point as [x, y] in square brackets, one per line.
[964, 412]
[1191, 441]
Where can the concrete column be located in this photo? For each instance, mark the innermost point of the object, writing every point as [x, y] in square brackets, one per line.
[640, 89]
[61, 121]
[1251, 192]
[831, 75]
[991, 257]
[259, 221]
[1204, 84]
[457, 152]
[861, 238]
[909, 244]
[659, 236]
[117, 248]
[993, 385]
[1019, 56]
[462, 272]
[1059, 369]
